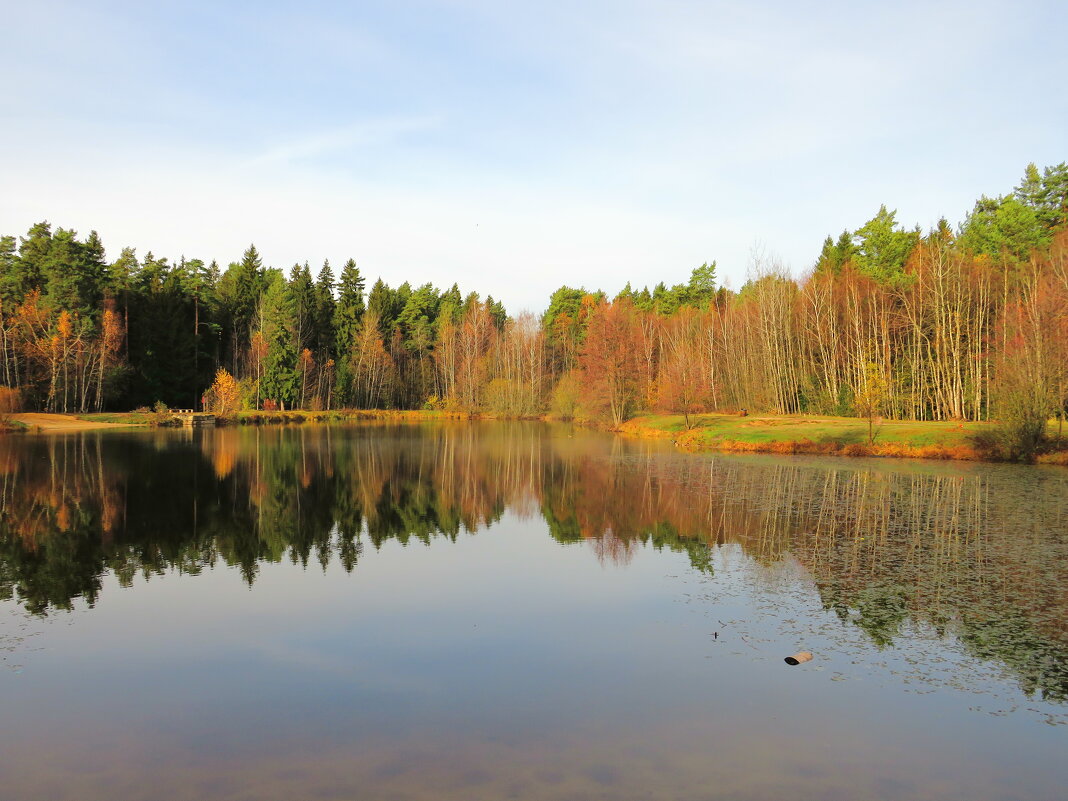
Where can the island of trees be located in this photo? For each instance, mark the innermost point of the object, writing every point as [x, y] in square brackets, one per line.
[949, 324]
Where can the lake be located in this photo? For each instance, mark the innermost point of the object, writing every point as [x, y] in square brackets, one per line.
[532, 611]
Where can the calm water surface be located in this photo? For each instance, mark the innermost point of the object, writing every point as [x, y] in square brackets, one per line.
[487, 611]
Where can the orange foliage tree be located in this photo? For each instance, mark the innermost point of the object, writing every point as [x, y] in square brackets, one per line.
[223, 396]
[610, 362]
[685, 385]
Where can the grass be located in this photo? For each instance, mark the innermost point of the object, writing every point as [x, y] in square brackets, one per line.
[122, 418]
[844, 436]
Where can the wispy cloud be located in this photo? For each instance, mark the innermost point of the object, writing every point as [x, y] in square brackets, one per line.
[366, 134]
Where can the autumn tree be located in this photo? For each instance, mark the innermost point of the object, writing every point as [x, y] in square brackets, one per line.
[223, 397]
[609, 361]
[684, 384]
[869, 401]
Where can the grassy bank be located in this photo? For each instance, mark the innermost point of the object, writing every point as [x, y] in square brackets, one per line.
[118, 418]
[834, 436]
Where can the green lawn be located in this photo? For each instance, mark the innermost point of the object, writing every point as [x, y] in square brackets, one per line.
[711, 428]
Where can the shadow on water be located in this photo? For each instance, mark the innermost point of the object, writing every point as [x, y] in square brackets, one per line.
[976, 552]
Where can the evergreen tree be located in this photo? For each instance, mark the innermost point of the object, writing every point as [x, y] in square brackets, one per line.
[1004, 227]
[324, 312]
[348, 314]
[68, 274]
[153, 273]
[96, 273]
[496, 311]
[1046, 193]
[835, 255]
[643, 300]
[12, 288]
[305, 307]
[882, 248]
[417, 317]
[451, 306]
[198, 286]
[248, 286]
[702, 286]
[382, 303]
[350, 308]
[239, 290]
[564, 302]
[668, 301]
[280, 380]
[124, 273]
[33, 254]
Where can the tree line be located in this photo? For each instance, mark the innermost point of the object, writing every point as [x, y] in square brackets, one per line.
[938, 325]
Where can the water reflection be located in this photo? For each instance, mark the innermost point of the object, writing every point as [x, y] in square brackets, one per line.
[979, 552]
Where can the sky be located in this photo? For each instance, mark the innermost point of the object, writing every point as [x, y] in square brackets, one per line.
[514, 148]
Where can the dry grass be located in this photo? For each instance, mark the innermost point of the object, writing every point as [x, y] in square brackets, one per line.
[825, 436]
[1057, 457]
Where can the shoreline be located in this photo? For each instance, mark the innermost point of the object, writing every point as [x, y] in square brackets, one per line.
[769, 434]
[47, 422]
[826, 436]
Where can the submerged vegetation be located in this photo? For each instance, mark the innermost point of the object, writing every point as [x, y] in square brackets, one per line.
[890, 323]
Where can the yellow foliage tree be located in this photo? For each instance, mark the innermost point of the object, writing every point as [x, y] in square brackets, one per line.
[223, 396]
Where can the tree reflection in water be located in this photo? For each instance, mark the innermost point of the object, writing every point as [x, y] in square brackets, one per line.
[977, 551]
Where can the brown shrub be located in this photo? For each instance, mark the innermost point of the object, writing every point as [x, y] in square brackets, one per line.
[10, 403]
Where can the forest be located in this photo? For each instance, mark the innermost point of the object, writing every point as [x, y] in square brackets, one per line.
[968, 323]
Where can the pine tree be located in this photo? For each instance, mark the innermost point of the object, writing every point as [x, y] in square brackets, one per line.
[348, 314]
[451, 306]
[324, 312]
[12, 286]
[277, 316]
[303, 297]
[33, 255]
[702, 286]
[350, 308]
[497, 312]
[124, 272]
[882, 248]
[381, 302]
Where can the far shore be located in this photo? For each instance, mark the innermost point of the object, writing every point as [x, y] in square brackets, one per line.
[784, 434]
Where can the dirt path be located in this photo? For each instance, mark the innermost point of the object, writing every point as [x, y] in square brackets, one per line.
[60, 422]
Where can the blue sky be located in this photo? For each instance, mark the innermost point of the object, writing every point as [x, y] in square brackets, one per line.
[517, 147]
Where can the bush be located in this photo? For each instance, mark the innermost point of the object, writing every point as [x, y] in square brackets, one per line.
[566, 395]
[1020, 430]
[10, 403]
[161, 415]
[1019, 434]
[509, 398]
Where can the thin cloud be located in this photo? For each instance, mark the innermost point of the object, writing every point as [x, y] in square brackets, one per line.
[360, 135]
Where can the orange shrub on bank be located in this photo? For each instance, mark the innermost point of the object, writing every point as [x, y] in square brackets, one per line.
[10, 403]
